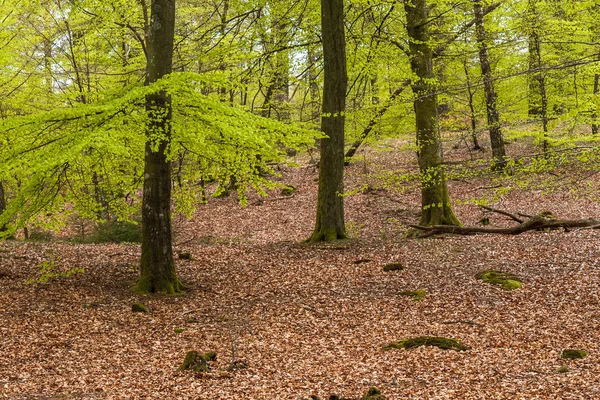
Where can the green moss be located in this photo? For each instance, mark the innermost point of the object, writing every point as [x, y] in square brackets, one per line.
[563, 369]
[288, 190]
[139, 307]
[506, 280]
[373, 394]
[437, 341]
[416, 295]
[197, 362]
[572, 354]
[178, 330]
[192, 320]
[185, 255]
[393, 267]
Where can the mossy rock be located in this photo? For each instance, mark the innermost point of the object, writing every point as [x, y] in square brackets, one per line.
[573, 354]
[178, 330]
[437, 341]
[563, 369]
[185, 255]
[416, 295]
[373, 394]
[393, 267]
[506, 280]
[197, 362]
[288, 190]
[139, 307]
[485, 221]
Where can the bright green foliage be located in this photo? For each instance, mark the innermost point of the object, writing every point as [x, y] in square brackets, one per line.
[50, 271]
[55, 154]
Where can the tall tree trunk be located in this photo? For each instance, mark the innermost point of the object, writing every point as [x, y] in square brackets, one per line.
[537, 85]
[330, 204]
[157, 267]
[436, 207]
[493, 116]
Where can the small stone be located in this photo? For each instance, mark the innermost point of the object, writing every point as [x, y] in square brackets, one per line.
[573, 354]
[393, 267]
[185, 255]
[563, 369]
[178, 330]
[139, 307]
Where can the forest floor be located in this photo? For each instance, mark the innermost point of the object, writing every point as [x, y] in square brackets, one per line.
[301, 320]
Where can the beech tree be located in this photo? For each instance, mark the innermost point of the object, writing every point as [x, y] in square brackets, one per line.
[436, 208]
[157, 268]
[330, 203]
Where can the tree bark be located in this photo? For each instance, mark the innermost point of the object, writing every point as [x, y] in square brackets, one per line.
[2, 204]
[493, 116]
[595, 113]
[537, 87]
[435, 201]
[157, 267]
[470, 99]
[330, 204]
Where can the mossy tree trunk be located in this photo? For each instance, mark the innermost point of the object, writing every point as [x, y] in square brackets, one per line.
[435, 201]
[2, 204]
[493, 116]
[157, 267]
[330, 204]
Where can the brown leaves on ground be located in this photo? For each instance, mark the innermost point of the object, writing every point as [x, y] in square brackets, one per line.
[289, 320]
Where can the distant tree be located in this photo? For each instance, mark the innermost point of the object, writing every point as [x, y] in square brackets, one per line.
[330, 204]
[493, 117]
[435, 201]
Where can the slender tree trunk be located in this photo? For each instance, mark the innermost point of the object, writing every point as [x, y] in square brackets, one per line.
[537, 87]
[595, 113]
[157, 267]
[436, 207]
[470, 99]
[330, 204]
[313, 86]
[2, 204]
[493, 116]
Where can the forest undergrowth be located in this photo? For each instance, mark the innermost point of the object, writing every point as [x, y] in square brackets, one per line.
[289, 320]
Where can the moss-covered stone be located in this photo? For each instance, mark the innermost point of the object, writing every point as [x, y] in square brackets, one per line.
[373, 394]
[288, 190]
[573, 354]
[197, 362]
[185, 255]
[563, 369]
[437, 341]
[393, 267]
[416, 295]
[178, 330]
[139, 307]
[505, 280]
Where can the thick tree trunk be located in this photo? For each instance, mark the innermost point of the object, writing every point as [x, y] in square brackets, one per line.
[330, 204]
[436, 207]
[157, 267]
[493, 116]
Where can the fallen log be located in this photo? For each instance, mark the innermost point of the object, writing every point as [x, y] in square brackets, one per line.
[537, 222]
